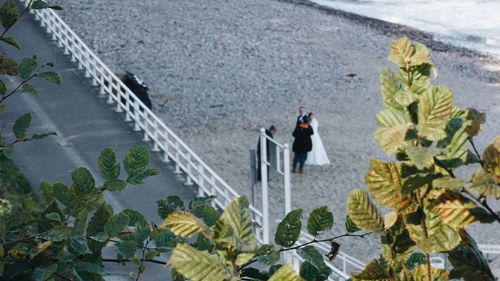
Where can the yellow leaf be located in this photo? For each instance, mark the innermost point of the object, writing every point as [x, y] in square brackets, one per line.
[390, 219]
[434, 111]
[241, 259]
[483, 183]
[393, 138]
[421, 273]
[385, 185]
[198, 266]
[286, 273]
[41, 247]
[491, 157]
[363, 213]
[185, 224]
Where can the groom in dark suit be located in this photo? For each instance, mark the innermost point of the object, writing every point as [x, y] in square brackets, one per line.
[302, 115]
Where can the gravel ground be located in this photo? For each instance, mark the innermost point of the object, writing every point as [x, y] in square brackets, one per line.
[223, 69]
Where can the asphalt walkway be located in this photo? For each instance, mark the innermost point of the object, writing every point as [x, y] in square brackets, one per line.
[85, 125]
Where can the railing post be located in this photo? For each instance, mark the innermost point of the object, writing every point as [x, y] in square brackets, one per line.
[136, 117]
[177, 169]
[189, 181]
[201, 183]
[287, 184]
[263, 180]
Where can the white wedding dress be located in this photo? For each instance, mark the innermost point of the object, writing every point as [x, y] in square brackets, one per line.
[317, 156]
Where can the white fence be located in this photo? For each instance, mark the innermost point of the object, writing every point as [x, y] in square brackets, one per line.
[168, 143]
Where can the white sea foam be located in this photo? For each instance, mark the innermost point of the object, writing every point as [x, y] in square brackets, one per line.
[472, 24]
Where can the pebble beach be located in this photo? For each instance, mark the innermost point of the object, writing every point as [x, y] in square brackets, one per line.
[220, 70]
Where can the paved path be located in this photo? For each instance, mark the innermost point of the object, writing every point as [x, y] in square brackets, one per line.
[85, 125]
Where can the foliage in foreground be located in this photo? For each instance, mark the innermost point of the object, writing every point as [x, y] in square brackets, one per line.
[430, 206]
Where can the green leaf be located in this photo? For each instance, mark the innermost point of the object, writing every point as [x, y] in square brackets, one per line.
[42, 136]
[108, 166]
[270, 259]
[26, 67]
[374, 271]
[350, 226]
[115, 185]
[126, 249]
[385, 185]
[168, 206]
[11, 41]
[164, 237]
[64, 194]
[285, 273]
[39, 4]
[53, 217]
[116, 224]
[142, 231]
[3, 88]
[55, 7]
[44, 273]
[134, 217]
[468, 262]
[51, 76]
[456, 152]
[476, 119]
[484, 184]
[422, 157]
[207, 213]
[27, 89]
[434, 111]
[8, 14]
[254, 273]
[83, 179]
[449, 183]
[415, 259]
[59, 233]
[363, 212]
[288, 230]
[78, 246]
[320, 219]
[416, 181]
[313, 256]
[197, 266]
[8, 66]
[100, 237]
[136, 160]
[89, 267]
[311, 273]
[21, 125]
[203, 243]
[99, 219]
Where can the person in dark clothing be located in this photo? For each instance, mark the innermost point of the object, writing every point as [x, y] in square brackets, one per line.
[270, 133]
[302, 115]
[302, 144]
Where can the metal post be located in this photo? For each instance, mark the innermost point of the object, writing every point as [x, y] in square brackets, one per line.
[287, 184]
[263, 180]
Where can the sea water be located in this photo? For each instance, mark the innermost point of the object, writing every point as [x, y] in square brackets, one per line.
[474, 24]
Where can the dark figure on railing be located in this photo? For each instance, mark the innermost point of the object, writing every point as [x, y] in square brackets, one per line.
[137, 86]
[270, 133]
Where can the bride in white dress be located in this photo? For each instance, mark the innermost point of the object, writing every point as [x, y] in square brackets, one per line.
[317, 156]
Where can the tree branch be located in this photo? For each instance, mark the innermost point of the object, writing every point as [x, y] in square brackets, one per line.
[475, 150]
[20, 15]
[325, 240]
[128, 260]
[482, 202]
[17, 88]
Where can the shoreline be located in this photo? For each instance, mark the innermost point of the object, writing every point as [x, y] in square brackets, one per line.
[398, 30]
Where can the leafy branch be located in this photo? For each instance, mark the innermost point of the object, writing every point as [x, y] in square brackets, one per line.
[325, 240]
[18, 17]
